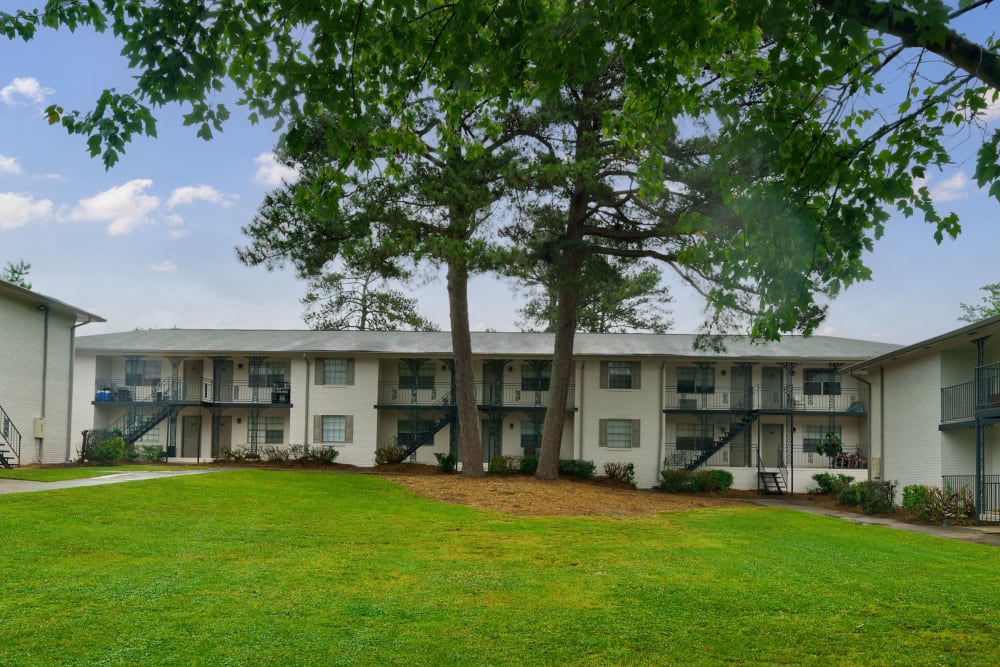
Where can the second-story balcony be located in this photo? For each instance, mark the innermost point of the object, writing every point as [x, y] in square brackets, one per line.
[962, 402]
[201, 391]
[849, 400]
[488, 395]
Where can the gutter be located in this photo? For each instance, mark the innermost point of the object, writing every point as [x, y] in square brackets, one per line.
[308, 381]
[880, 415]
[661, 418]
[69, 402]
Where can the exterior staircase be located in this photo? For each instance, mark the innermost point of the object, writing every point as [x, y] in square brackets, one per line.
[772, 482]
[10, 442]
[735, 429]
[135, 423]
[428, 435]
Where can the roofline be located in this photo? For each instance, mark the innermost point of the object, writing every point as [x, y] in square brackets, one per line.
[968, 330]
[79, 314]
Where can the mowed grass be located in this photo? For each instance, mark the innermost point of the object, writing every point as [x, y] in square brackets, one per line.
[77, 472]
[316, 568]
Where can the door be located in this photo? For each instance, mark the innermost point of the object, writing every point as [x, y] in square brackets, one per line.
[772, 445]
[740, 392]
[771, 387]
[224, 383]
[225, 437]
[191, 438]
[493, 383]
[492, 439]
[194, 371]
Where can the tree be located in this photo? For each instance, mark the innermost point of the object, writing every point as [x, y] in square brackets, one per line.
[360, 301]
[16, 274]
[988, 307]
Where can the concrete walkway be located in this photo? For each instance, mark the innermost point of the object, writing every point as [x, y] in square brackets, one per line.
[988, 535]
[23, 486]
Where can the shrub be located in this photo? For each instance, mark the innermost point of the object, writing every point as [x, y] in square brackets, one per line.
[916, 497]
[869, 497]
[505, 465]
[620, 472]
[307, 455]
[273, 454]
[678, 481]
[389, 455]
[940, 504]
[831, 445]
[529, 465]
[150, 453]
[830, 484]
[713, 480]
[577, 468]
[107, 450]
[446, 462]
[848, 495]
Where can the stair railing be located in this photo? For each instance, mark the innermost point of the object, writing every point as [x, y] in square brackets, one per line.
[12, 440]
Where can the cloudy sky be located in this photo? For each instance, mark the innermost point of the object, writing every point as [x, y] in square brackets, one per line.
[151, 243]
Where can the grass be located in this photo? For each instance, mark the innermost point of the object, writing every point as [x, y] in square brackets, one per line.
[77, 472]
[309, 568]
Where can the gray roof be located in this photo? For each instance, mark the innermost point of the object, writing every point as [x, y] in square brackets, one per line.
[21, 294]
[491, 344]
[961, 336]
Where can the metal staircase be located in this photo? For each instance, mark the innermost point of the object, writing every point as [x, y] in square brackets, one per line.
[10, 442]
[135, 423]
[428, 435]
[770, 481]
[735, 429]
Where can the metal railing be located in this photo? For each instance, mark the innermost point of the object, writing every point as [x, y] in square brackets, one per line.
[957, 401]
[202, 390]
[739, 455]
[10, 439]
[990, 510]
[851, 399]
[486, 393]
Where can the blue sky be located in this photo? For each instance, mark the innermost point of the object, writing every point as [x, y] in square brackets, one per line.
[151, 243]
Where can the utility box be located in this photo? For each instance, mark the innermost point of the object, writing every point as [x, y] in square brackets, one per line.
[39, 427]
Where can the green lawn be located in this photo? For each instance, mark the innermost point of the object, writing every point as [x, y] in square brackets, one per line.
[315, 568]
[79, 472]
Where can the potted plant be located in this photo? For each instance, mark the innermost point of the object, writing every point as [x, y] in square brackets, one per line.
[831, 446]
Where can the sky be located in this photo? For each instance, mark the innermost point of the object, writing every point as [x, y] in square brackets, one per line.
[151, 242]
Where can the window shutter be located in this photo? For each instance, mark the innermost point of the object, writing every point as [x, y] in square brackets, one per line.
[317, 428]
[637, 375]
[349, 428]
[320, 368]
[635, 433]
[604, 375]
[602, 436]
[350, 371]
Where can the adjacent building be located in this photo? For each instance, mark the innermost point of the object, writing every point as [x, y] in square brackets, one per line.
[36, 364]
[757, 410]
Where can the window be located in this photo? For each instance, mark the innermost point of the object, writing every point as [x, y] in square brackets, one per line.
[422, 379]
[535, 377]
[621, 375]
[142, 372]
[267, 374]
[270, 430]
[337, 429]
[150, 437]
[814, 435]
[695, 436]
[619, 433]
[531, 433]
[411, 431]
[821, 382]
[335, 371]
[696, 380]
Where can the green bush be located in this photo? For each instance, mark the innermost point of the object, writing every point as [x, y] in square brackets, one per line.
[150, 453]
[577, 468]
[916, 497]
[620, 472]
[830, 484]
[937, 504]
[446, 462]
[505, 465]
[678, 481]
[107, 450]
[685, 481]
[714, 479]
[869, 497]
[389, 455]
[529, 465]
[848, 495]
[274, 454]
[307, 455]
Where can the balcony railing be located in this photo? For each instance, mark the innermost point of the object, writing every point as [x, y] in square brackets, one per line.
[957, 401]
[180, 390]
[486, 393]
[849, 400]
[738, 455]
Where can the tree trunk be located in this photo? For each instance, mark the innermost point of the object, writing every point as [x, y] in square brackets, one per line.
[470, 449]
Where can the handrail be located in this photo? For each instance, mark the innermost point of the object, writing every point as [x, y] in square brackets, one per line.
[800, 398]
[202, 390]
[11, 436]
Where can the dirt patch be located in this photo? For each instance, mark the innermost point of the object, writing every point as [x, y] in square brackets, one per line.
[527, 496]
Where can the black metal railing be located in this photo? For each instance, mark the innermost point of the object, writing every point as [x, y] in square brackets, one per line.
[851, 399]
[735, 454]
[957, 401]
[277, 393]
[990, 510]
[487, 394]
[202, 390]
[10, 441]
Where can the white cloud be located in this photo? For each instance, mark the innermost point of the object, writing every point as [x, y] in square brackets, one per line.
[162, 267]
[173, 220]
[19, 210]
[271, 172]
[950, 189]
[27, 87]
[174, 234]
[190, 194]
[124, 206]
[9, 165]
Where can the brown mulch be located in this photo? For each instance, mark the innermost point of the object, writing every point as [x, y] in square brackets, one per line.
[527, 496]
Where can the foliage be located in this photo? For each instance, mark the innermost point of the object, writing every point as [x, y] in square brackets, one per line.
[939, 504]
[577, 468]
[16, 274]
[150, 453]
[107, 450]
[715, 479]
[830, 484]
[677, 481]
[871, 497]
[831, 445]
[274, 454]
[529, 464]
[988, 307]
[446, 462]
[686, 481]
[620, 472]
[505, 465]
[389, 455]
[360, 300]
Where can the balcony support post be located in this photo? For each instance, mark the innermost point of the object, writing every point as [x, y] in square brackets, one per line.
[981, 400]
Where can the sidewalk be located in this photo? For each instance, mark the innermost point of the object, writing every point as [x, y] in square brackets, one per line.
[988, 535]
[22, 486]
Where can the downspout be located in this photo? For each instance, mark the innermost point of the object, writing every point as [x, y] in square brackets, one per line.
[72, 366]
[45, 378]
[662, 419]
[578, 431]
[308, 381]
[869, 417]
